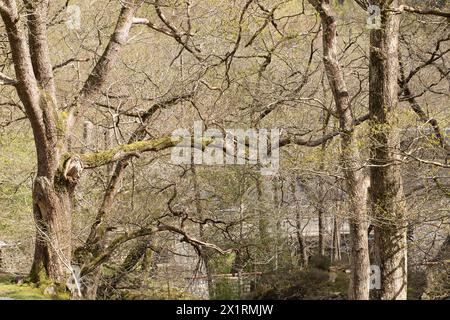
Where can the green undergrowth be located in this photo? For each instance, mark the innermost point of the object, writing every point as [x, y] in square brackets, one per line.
[153, 290]
[25, 291]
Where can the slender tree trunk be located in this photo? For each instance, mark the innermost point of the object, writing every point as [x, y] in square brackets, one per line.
[95, 243]
[336, 239]
[438, 274]
[87, 136]
[303, 256]
[321, 247]
[349, 156]
[386, 181]
[204, 254]
[359, 281]
[263, 222]
[108, 142]
[276, 210]
[322, 193]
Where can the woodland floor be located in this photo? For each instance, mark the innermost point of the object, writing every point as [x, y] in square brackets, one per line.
[11, 289]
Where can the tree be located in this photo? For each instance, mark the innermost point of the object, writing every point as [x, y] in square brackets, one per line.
[386, 184]
[58, 170]
[349, 157]
[98, 97]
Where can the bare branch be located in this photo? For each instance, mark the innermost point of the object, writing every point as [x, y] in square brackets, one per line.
[105, 64]
[67, 62]
[142, 233]
[191, 240]
[319, 141]
[4, 9]
[433, 12]
[38, 43]
[5, 80]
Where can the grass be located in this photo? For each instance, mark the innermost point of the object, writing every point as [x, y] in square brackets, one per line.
[24, 291]
[21, 292]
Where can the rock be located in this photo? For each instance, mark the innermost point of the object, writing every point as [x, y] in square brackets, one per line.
[50, 291]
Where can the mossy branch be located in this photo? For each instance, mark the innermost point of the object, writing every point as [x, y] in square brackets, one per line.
[135, 149]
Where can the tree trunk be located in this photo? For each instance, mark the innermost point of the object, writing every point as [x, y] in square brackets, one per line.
[359, 281]
[349, 156]
[303, 256]
[55, 182]
[52, 207]
[51, 191]
[336, 239]
[263, 222]
[302, 253]
[204, 255]
[438, 274]
[321, 247]
[386, 190]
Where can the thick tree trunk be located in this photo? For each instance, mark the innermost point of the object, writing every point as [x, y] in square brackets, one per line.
[51, 198]
[52, 207]
[386, 190]
[35, 86]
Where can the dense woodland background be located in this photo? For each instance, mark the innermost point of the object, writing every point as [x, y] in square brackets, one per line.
[87, 184]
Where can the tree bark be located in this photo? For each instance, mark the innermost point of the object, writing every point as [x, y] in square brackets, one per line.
[302, 252]
[40, 54]
[303, 255]
[321, 223]
[336, 239]
[57, 175]
[438, 274]
[204, 254]
[51, 192]
[52, 207]
[386, 190]
[349, 156]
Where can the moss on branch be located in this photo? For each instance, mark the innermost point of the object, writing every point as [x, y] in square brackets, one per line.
[100, 158]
